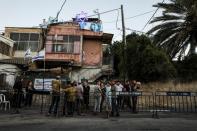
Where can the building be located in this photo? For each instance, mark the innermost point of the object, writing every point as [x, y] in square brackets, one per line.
[7, 71]
[77, 48]
[72, 49]
[25, 38]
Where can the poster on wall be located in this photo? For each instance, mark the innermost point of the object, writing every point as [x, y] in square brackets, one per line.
[93, 26]
[82, 20]
[38, 84]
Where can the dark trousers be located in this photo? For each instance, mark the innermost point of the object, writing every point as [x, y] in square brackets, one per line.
[79, 105]
[86, 102]
[115, 108]
[28, 100]
[119, 101]
[134, 102]
[102, 101]
[126, 100]
[17, 99]
[70, 107]
[64, 104]
[55, 102]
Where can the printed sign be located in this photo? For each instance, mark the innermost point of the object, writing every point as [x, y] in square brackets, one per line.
[178, 93]
[38, 84]
[82, 20]
[93, 26]
[130, 93]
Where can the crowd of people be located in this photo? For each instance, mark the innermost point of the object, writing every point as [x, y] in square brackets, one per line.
[106, 95]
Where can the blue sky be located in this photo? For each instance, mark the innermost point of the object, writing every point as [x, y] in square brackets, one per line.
[29, 13]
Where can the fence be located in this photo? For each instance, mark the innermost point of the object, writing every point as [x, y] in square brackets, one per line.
[175, 102]
[139, 101]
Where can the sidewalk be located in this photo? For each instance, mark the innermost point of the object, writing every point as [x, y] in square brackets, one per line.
[34, 121]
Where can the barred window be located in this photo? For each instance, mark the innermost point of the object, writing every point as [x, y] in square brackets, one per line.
[5, 49]
[63, 44]
[2, 80]
[25, 41]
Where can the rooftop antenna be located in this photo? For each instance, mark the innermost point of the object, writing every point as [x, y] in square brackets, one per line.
[96, 11]
[56, 18]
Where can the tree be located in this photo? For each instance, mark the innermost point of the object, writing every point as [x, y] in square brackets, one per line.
[144, 61]
[187, 68]
[177, 27]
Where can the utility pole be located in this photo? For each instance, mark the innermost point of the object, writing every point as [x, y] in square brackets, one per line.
[124, 45]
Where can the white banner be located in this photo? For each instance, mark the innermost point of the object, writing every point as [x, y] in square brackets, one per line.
[38, 84]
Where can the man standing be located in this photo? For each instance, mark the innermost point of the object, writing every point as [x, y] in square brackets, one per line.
[79, 100]
[18, 93]
[115, 108]
[119, 88]
[134, 88]
[71, 98]
[55, 95]
[86, 92]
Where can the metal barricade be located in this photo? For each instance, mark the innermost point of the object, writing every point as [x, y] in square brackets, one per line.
[139, 101]
[172, 101]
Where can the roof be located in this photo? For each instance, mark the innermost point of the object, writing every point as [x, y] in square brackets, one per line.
[15, 61]
[37, 27]
[6, 40]
[105, 38]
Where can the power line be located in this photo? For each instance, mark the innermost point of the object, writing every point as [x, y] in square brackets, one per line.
[152, 17]
[104, 12]
[56, 18]
[132, 16]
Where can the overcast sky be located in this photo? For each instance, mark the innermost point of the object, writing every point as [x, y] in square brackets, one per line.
[29, 13]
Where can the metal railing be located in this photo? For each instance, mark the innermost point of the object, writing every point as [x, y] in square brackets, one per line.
[140, 101]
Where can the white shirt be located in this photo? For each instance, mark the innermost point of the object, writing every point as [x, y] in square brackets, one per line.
[118, 88]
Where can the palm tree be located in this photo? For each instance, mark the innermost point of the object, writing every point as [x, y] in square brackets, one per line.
[176, 30]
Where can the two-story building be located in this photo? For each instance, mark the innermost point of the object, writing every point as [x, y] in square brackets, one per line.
[7, 70]
[70, 49]
[78, 48]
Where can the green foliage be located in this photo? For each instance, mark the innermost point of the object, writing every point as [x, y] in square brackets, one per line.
[177, 27]
[187, 69]
[144, 61]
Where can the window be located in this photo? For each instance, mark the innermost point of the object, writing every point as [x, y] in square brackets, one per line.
[4, 49]
[25, 41]
[2, 80]
[63, 44]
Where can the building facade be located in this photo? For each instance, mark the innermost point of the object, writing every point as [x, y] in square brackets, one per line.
[71, 50]
[7, 70]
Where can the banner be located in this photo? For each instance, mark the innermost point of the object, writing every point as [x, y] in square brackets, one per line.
[38, 84]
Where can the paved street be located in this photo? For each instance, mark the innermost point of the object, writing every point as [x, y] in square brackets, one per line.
[128, 122]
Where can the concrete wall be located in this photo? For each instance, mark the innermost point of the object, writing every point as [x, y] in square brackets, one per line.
[2, 56]
[71, 29]
[11, 72]
[85, 73]
[92, 53]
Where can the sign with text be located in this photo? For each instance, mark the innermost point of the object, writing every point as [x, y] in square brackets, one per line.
[130, 93]
[38, 84]
[178, 93]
